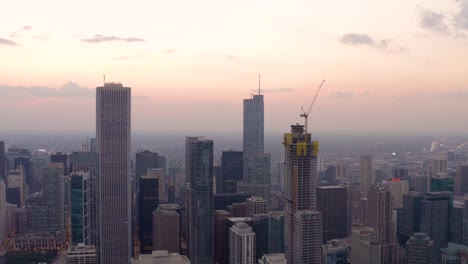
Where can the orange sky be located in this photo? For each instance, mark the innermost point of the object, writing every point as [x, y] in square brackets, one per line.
[394, 66]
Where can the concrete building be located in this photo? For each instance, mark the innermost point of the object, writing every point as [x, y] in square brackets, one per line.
[420, 249]
[201, 226]
[354, 207]
[332, 203]
[365, 247]
[166, 230]
[397, 189]
[238, 209]
[256, 205]
[113, 121]
[454, 254]
[335, 252]
[273, 258]
[80, 208]
[161, 257]
[303, 223]
[148, 200]
[232, 170]
[367, 180]
[461, 181]
[82, 254]
[242, 244]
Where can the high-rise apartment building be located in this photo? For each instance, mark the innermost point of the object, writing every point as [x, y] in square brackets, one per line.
[366, 177]
[256, 176]
[256, 205]
[461, 181]
[303, 223]
[331, 202]
[231, 170]
[201, 211]
[242, 244]
[113, 107]
[148, 200]
[80, 207]
[420, 249]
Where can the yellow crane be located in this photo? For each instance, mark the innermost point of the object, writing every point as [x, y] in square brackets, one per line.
[306, 114]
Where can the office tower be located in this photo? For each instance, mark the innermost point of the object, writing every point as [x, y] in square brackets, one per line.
[171, 196]
[420, 183]
[89, 162]
[276, 232]
[16, 187]
[148, 200]
[332, 203]
[238, 209]
[461, 181]
[60, 157]
[441, 183]
[365, 247]
[366, 177]
[397, 189]
[273, 258]
[221, 237]
[201, 201]
[454, 253]
[435, 208]
[456, 222]
[80, 208]
[82, 254]
[231, 170]
[161, 257]
[420, 249]
[341, 170]
[162, 163]
[53, 196]
[218, 179]
[242, 244]
[330, 173]
[256, 205]
[113, 107]
[159, 174]
[380, 217]
[28, 166]
[2, 161]
[335, 252]
[438, 166]
[145, 160]
[166, 230]
[260, 228]
[303, 223]
[223, 200]
[92, 145]
[188, 155]
[256, 176]
[354, 206]
[465, 222]
[411, 221]
[3, 213]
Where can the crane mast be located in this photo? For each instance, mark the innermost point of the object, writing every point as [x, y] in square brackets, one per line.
[306, 114]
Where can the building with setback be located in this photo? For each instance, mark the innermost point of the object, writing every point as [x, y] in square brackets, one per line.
[420, 249]
[242, 244]
[303, 223]
[201, 211]
[113, 121]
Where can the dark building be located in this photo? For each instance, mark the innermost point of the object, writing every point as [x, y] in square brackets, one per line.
[13, 195]
[435, 211]
[145, 160]
[60, 157]
[451, 156]
[92, 145]
[147, 202]
[220, 236]
[238, 209]
[276, 232]
[201, 226]
[28, 167]
[411, 215]
[420, 249]
[232, 170]
[162, 163]
[461, 180]
[332, 203]
[260, 228]
[456, 222]
[171, 198]
[223, 200]
[80, 207]
[441, 184]
[2, 160]
[217, 170]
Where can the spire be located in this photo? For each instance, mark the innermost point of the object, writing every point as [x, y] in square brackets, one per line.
[259, 84]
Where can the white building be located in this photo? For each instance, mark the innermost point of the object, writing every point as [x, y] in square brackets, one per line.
[160, 257]
[82, 254]
[241, 244]
[274, 258]
[365, 247]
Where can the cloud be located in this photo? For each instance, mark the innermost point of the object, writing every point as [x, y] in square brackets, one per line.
[230, 56]
[8, 42]
[461, 18]
[169, 51]
[41, 37]
[20, 31]
[129, 57]
[69, 89]
[102, 38]
[358, 39]
[341, 94]
[434, 21]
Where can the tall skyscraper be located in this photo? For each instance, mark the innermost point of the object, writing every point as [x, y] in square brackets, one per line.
[2, 160]
[60, 157]
[303, 223]
[80, 207]
[201, 210]
[242, 244]
[221, 237]
[148, 200]
[145, 160]
[256, 176]
[461, 180]
[366, 177]
[276, 232]
[113, 107]
[28, 167]
[420, 249]
[53, 196]
[166, 229]
[331, 202]
[232, 170]
[398, 188]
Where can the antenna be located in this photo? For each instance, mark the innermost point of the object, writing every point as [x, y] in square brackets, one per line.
[104, 78]
[259, 84]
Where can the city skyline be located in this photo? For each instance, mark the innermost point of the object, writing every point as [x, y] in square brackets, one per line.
[382, 73]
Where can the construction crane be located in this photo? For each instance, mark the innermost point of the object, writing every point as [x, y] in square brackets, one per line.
[306, 114]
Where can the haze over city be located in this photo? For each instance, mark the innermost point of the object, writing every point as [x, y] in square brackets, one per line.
[391, 67]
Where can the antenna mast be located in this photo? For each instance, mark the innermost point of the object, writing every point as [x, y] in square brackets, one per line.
[259, 84]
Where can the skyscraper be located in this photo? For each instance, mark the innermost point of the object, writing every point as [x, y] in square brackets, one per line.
[331, 202]
[28, 168]
[242, 244]
[256, 205]
[276, 232]
[461, 180]
[80, 207]
[166, 230]
[232, 170]
[145, 160]
[113, 106]
[256, 176]
[366, 177]
[148, 200]
[53, 196]
[303, 223]
[420, 249]
[201, 210]
[2, 160]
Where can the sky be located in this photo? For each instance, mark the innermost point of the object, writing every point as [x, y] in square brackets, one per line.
[390, 66]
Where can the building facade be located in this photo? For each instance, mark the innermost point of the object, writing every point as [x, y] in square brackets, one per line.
[80, 208]
[148, 200]
[242, 244]
[331, 202]
[232, 170]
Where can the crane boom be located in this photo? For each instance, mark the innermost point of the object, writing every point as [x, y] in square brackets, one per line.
[306, 114]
